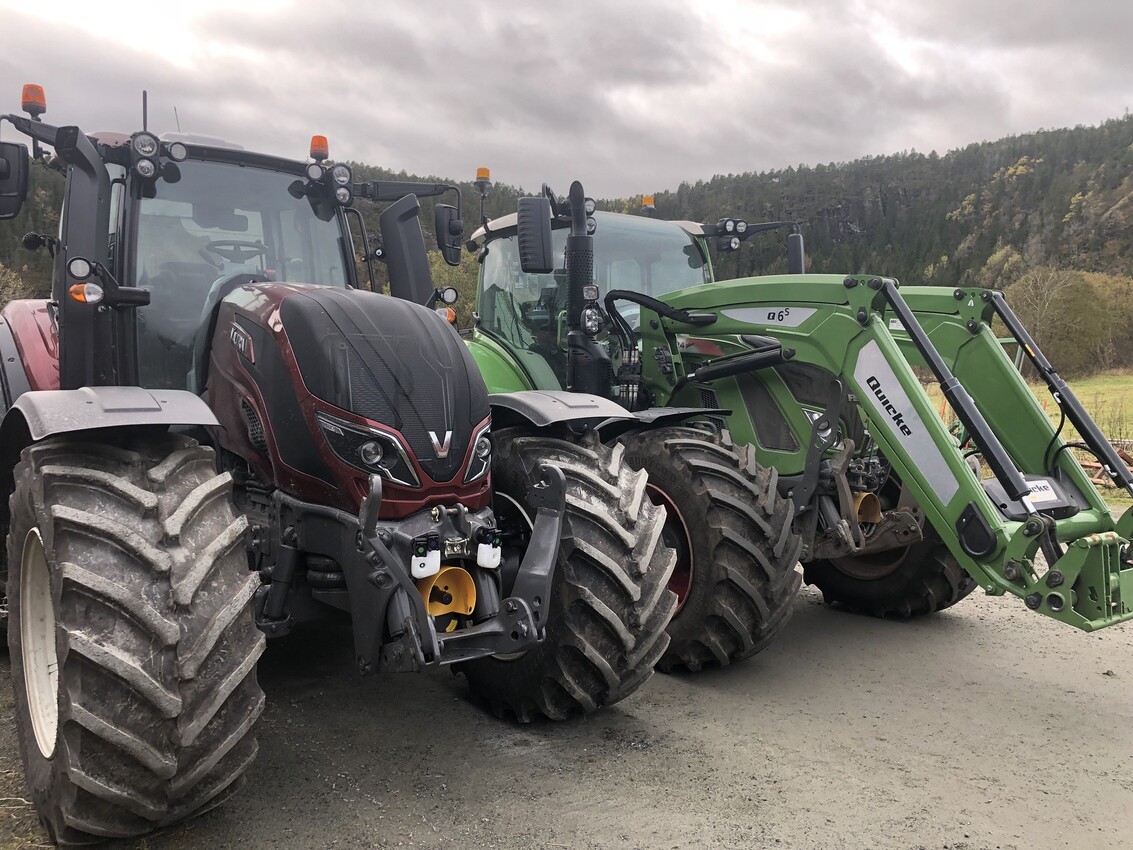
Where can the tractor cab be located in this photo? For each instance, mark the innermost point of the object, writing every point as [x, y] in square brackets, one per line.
[526, 312]
[231, 219]
[165, 228]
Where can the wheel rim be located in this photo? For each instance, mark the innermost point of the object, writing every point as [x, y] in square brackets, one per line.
[37, 644]
[674, 534]
[873, 567]
[878, 565]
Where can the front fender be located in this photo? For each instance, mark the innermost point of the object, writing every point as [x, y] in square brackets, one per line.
[656, 417]
[47, 412]
[542, 408]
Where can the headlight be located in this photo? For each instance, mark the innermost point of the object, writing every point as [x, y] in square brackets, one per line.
[342, 195]
[315, 172]
[368, 449]
[589, 205]
[741, 226]
[80, 268]
[146, 144]
[177, 151]
[481, 460]
[483, 447]
[729, 226]
[341, 175]
[591, 320]
[145, 168]
[371, 453]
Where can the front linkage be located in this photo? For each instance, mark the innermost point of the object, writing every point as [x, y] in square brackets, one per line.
[394, 621]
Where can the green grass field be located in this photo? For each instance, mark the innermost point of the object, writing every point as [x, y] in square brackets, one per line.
[1108, 397]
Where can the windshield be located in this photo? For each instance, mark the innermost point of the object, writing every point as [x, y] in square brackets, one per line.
[630, 252]
[217, 223]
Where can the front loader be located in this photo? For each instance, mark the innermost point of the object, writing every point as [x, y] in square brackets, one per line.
[814, 376]
[212, 434]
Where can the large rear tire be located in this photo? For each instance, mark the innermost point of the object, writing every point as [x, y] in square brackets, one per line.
[609, 604]
[909, 581]
[736, 577]
[132, 639]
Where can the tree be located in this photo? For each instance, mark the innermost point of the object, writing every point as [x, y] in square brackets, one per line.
[462, 277]
[12, 286]
[1063, 313]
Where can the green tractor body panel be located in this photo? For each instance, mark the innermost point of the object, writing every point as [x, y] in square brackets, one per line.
[841, 339]
[501, 367]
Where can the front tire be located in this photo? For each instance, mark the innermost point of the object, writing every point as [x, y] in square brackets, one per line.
[909, 581]
[736, 577]
[133, 645]
[609, 608]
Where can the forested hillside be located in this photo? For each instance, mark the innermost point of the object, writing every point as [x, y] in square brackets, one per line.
[1046, 215]
[1054, 197]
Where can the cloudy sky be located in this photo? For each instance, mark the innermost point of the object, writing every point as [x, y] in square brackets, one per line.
[630, 96]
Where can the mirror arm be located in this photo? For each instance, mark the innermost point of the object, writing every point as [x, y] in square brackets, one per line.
[116, 294]
[394, 190]
[367, 256]
[37, 130]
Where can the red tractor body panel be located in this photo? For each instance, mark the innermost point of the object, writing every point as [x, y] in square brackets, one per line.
[37, 340]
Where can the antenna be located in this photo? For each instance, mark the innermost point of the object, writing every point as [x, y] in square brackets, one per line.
[177, 119]
[145, 110]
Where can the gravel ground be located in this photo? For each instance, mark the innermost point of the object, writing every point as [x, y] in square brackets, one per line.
[982, 727]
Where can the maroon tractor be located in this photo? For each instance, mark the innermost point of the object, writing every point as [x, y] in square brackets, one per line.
[211, 433]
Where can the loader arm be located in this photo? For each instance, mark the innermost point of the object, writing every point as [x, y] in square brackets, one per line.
[871, 335]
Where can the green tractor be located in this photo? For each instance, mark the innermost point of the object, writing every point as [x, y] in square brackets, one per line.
[813, 376]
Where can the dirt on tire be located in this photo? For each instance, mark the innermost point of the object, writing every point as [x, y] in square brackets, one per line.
[156, 644]
[609, 601]
[738, 551]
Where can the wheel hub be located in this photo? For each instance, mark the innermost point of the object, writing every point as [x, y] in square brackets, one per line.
[37, 644]
[872, 567]
[674, 534]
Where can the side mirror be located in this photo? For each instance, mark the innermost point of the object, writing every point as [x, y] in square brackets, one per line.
[536, 255]
[13, 178]
[404, 244]
[796, 254]
[449, 229]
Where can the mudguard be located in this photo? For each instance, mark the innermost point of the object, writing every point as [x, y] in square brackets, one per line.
[48, 412]
[550, 407]
[655, 417]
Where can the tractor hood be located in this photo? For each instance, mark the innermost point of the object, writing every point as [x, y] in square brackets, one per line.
[392, 362]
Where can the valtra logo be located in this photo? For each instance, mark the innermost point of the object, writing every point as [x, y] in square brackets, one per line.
[441, 446]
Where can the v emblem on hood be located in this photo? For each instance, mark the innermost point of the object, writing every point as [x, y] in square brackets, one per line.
[441, 447]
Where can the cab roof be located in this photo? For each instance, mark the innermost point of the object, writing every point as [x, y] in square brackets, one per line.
[506, 225]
